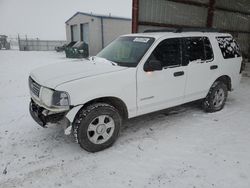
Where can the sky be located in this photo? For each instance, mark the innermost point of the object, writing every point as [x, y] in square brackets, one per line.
[45, 19]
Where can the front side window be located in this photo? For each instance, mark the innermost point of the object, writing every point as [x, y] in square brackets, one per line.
[168, 52]
[229, 47]
[127, 51]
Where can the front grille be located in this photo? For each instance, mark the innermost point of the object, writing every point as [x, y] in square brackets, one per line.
[34, 87]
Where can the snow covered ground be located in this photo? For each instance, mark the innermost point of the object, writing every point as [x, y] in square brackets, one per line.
[183, 147]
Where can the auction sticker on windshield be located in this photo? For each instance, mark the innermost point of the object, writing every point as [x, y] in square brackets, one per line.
[144, 40]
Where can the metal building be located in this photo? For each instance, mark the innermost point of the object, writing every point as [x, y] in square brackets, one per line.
[231, 16]
[96, 30]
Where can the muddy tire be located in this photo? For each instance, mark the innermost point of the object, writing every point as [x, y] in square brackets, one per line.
[97, 126]
[216, 97]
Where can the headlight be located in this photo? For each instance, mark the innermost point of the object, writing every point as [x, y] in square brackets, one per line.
[60, 98]
[46, 96]
[54, 98]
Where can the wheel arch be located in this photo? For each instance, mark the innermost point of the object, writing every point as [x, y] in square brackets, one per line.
[226, 80]
[113, 101]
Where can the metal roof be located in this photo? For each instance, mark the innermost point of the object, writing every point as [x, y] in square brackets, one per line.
[98, 16]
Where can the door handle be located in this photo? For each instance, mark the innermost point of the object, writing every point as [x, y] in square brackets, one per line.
[213, 67]
[180, 73]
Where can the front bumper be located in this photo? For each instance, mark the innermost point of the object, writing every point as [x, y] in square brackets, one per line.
[43, 116]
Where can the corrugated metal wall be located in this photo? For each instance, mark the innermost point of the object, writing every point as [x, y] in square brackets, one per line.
[231, 21]
[168, 12]
[239, 5]
[229, 15]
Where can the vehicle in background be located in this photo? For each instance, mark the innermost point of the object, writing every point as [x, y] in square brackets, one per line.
[4, 44]
[61, 48]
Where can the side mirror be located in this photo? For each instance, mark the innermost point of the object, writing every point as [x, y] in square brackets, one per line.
[152, 65]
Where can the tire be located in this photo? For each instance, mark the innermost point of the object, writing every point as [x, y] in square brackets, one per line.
[97, 126]
[216, 97]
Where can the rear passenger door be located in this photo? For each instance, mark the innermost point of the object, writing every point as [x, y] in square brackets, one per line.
[199, 59]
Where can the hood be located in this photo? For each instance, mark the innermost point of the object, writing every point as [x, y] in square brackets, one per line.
[56, 74]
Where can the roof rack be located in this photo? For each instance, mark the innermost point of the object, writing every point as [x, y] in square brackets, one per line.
[159, 30]
[183, 29]
[197, 29]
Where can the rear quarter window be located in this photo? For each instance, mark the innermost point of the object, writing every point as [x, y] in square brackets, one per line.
[229, 48]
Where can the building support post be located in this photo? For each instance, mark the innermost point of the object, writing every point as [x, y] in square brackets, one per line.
[135, 16]
[210, 13]
[102, 32]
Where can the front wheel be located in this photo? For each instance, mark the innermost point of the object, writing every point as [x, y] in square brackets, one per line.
[216, 97]
[97, 126]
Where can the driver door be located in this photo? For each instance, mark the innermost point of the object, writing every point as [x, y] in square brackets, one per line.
[158, 90]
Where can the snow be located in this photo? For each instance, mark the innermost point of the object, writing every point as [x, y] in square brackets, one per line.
[181, 147]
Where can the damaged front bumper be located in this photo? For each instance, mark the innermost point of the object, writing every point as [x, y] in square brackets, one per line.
[43, 116]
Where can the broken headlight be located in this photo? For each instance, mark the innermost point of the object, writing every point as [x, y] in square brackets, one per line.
[52, 98]
[60, 98]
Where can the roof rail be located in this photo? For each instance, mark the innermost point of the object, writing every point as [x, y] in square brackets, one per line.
[196, 29]
[159, 30]
[184, 29]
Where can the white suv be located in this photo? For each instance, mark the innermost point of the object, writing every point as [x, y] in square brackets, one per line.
[136, 74]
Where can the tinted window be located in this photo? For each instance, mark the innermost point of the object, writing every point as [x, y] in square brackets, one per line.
[229, 47]
[194, 49]
[168, 52]
[208, 49]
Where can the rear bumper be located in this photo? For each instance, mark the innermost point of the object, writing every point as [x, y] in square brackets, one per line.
[43, 116]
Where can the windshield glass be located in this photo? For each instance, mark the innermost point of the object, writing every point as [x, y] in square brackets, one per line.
[127, 51]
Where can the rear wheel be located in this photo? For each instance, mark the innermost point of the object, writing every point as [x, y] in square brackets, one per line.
[216, 97]
[97, 126]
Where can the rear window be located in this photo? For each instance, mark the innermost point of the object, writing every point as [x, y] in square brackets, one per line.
[229, 48]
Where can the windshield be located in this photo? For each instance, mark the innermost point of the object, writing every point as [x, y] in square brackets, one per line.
[126, 51]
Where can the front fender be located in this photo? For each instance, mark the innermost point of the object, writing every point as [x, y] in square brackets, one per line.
[72, 113]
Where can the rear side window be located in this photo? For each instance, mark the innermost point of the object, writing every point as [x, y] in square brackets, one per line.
[168, 52]
[229, 48]
[194, 48]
